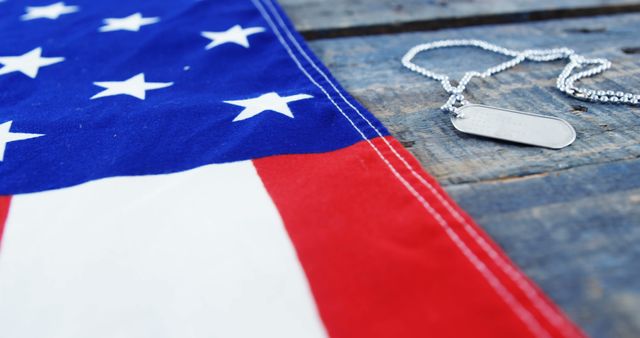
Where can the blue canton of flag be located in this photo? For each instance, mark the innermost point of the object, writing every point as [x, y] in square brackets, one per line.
[94, 89]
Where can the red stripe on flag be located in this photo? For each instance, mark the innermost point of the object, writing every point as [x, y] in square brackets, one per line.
[388, 254]
[4, 212]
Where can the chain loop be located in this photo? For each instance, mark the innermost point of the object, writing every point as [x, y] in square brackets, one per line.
[566, 81]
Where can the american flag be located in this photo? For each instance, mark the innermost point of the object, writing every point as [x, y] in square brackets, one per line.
[190, 169]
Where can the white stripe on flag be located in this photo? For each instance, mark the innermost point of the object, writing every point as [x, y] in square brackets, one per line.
[201, 253]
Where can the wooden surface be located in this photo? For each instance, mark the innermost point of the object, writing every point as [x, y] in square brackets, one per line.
[570, 218]
[330, 18]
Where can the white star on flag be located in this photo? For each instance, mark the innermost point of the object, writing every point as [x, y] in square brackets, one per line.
[7, 136]
[135, 86]
[235, 34]
[270, 101]
[131, 23]
[52, 11]
[28, 64]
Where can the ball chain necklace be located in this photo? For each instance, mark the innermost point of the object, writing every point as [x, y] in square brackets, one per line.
[511, 125]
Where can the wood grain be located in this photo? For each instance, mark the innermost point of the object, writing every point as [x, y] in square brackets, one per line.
[408, 103]
[570, 218]
[330, 18]
[577, 233]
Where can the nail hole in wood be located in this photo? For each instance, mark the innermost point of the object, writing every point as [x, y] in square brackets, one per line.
[606, 127]
[408, 144]
[586, 30]
[631, 50]
[579, 108]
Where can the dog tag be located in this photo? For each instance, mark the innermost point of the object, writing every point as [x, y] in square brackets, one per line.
[514, 126]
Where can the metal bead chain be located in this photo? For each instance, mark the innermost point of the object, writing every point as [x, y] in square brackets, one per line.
[565, 82]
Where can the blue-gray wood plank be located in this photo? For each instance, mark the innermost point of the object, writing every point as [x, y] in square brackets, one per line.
[570, 218]
[338, 17]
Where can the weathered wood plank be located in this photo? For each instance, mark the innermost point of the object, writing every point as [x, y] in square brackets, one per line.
[324, 18]
[577, 233]
[408, 104]
[569, 218]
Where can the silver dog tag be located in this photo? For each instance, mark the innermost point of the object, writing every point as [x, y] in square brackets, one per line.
[514, 126]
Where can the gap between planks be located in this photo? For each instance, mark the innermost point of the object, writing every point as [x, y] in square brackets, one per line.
[457, 22]
[517, 178]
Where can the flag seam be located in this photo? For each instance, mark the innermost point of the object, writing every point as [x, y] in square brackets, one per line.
[552, 316]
